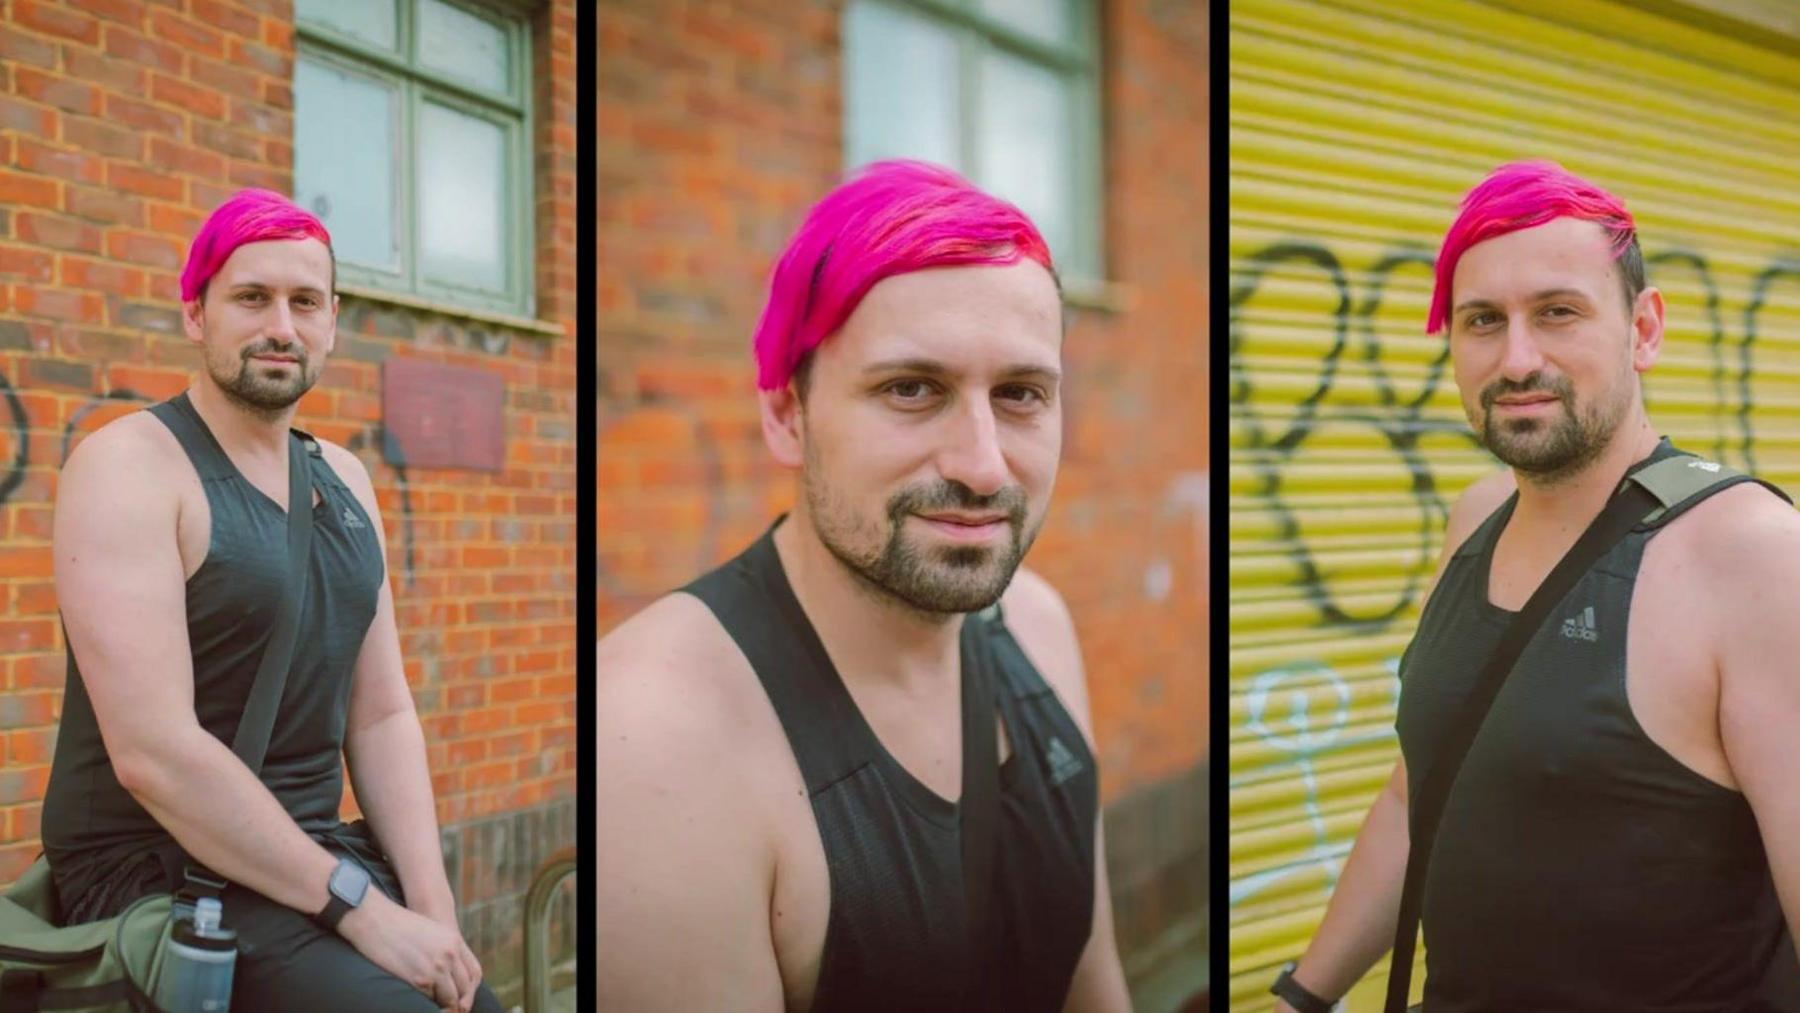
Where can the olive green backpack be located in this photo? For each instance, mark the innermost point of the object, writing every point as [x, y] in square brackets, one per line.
[110, 965]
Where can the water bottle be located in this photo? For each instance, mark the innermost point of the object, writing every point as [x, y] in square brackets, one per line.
[197, 963]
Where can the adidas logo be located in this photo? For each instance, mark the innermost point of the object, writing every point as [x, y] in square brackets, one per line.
[351, 520]
[1581, 627]
[1063, 764]
[1703, 465]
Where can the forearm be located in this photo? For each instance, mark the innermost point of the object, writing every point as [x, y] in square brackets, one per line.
[393, 785]
[223, 816]
[1358, 927]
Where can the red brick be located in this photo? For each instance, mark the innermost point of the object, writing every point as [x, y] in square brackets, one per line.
[35, 156]
[144, 182]
[102, 276]
[145, 250]
[22, 48]
[228, 18]
[195, 101]
[20, 637]
[17, 188]
[52, 90]
[194, 37]
[223, 77]
[134, 46]
[106, 206]
[216, 137]
[160, 384]
[175, 219]
[27, 117]
[261, 58]
[102, 138]
[126, 12]
[59, 304]
[51, 19]
[26, 264]
[145, 116]
[97, 68]
[185, 159]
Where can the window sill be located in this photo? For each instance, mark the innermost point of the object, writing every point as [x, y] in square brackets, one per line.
[1091, 294]
[450, 309]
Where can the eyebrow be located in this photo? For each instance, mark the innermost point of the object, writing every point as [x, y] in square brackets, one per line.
[1538, 296]
[298, 289]
[932, 367]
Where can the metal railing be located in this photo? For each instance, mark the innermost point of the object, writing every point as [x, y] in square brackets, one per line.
[550, 875]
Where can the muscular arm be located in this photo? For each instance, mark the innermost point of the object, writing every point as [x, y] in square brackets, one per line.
[384, 745]
[685, 885]
[1755, 605]
[1044, 628]
[120, 584]
[1358, 927]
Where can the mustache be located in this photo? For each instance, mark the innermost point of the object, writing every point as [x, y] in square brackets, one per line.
[1536, 383]
[271, 346]
[953, 495]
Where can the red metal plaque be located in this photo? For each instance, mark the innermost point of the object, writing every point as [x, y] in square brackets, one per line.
[438, 416]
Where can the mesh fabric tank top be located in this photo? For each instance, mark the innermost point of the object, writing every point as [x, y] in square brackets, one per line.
[93, 829]
[1578, 866]
[897, 936]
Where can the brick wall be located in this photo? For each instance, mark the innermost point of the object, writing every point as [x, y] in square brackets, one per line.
[718, 125]
[122, 124]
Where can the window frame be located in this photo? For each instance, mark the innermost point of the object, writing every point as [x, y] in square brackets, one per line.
[416, 85]
[1077, 62]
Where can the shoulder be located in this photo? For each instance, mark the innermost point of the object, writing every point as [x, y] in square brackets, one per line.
[1042, 624]
[133, 453]
[1740, 543]
[349, 468]
[1476, 504]
[672, 689]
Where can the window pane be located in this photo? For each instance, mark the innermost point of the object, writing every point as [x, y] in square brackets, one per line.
[1025, 144]
[462, 199]
[901, 90]
[344, 160]
[372, 21]
[1047, 20]
[455, 42]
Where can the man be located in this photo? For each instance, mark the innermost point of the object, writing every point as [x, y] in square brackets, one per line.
[785, 746]
[1623, 825]
[171, 560]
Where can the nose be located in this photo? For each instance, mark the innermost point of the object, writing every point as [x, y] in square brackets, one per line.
[972, 454]
[281, 324]
[1521, 357]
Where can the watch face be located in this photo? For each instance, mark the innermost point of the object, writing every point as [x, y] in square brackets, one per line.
[349, 882]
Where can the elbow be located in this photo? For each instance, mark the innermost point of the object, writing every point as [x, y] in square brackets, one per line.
[149, 770]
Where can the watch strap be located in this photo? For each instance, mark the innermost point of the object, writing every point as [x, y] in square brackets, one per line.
[335, 910]
[1296, 994]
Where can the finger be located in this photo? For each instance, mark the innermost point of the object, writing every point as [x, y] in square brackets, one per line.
[448, 987]
[463, 988]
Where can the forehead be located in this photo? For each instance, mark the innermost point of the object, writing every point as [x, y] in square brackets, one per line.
[287, 263]
[1560, 253]
[965, 317]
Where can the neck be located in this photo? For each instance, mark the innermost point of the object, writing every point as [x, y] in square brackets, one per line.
[237, 426]
[870, 635]
[1571, 502]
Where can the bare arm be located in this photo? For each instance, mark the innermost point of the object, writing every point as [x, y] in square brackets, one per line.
[1360, 919]
[1041, 621]
[1756, 604]
[120, 584]
[684, 899]
[385, 746]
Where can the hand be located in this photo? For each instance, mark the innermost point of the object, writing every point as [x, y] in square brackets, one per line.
[421, 951]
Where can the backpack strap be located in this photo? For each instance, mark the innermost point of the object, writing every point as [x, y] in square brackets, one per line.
[1650, 495]
[251, 743]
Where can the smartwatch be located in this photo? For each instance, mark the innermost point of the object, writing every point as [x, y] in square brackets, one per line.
[1296, 995]
[348, 884]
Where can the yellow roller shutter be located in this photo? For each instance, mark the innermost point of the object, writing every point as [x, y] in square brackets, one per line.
[1356, 126]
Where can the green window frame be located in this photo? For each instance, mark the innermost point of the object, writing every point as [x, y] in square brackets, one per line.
[978, 34]
[417, 86]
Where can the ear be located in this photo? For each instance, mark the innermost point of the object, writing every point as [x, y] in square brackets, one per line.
[331, 335]
[784, 425]
[191, 317]
[1646, 329]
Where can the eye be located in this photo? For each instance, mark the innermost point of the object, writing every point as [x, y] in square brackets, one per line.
[251, 297]
[1022, 395]
[910, 391]
[1481, 319]
[1559, 311]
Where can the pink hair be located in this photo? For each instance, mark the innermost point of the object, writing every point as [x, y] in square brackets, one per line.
[249, 216]
[1522, 195]
[891, 218]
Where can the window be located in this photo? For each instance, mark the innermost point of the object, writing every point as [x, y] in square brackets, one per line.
[1004, 91]
[411, 142]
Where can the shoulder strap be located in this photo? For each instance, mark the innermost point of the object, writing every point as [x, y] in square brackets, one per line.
[1652, 494]
[978, 808]
[251, 743]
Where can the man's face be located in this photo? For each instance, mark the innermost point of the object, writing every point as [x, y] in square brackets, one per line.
[266, 322]
[932, 427]
[1546, 352]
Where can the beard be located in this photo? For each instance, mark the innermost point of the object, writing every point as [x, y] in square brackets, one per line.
[1549, 449]
[258, 389]
[935, 580]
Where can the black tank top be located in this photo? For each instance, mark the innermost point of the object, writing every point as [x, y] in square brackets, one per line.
[1578, 866]
[91, 825]
[897, 936]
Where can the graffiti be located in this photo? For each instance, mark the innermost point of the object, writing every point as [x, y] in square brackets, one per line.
[21, 435]
[81, 414]
[391, 452]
